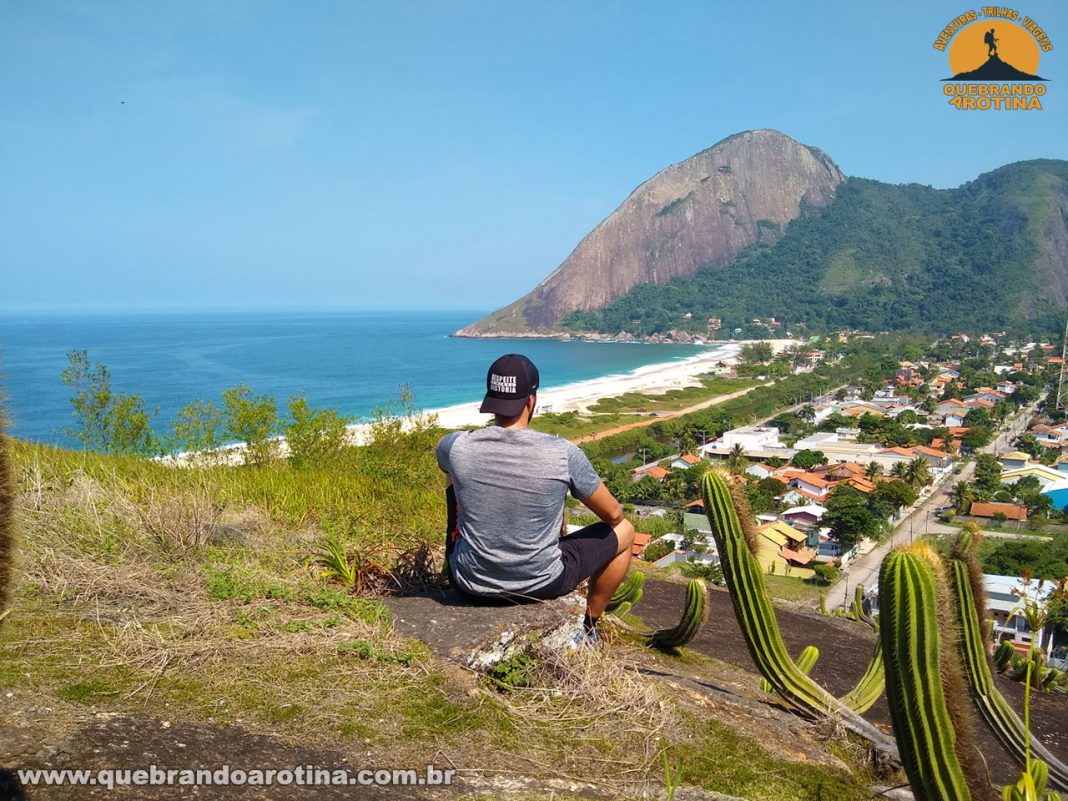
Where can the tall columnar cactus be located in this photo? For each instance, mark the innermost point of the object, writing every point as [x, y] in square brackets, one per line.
[806, 660]
[909, 630]
[629, 591]
[857, 608]
[871, 685]
[693, 615]
[756, 617]
[7, 517]
[995, 710]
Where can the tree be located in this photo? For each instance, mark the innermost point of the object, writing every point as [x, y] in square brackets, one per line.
[977, 438]
[646, 489]
[807, 459]
[253, 420]
[736, 459]
[895, 494]
[824, 573]
[848, 516]
[987, 474]
[918, 472]
[314, 436]
[657, 549]
[962, 496]
[762, 494]
[1029, 445]
[873, 470]
[108, 422]
[756, 352]
[978, 417]
[196, 428]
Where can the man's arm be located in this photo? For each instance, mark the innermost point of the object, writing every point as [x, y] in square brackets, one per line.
[604, 504]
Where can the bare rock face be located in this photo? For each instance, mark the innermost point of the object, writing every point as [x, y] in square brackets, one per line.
[1049, 267]
[698, 213]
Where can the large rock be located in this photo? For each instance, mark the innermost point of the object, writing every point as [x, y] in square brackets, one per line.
[700, 212]
[479, 636]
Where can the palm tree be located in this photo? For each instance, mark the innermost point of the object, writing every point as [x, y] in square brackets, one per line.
[900, 470]
[873, 470]
[736, 460]
[918, 472]
[962, 496]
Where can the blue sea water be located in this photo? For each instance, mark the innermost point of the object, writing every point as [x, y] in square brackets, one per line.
[351, 361]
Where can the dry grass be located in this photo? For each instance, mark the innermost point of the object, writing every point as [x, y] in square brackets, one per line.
[615, 719]
[195, 593]
[7, 518]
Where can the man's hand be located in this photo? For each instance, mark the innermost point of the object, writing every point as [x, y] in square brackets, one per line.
[604, 504]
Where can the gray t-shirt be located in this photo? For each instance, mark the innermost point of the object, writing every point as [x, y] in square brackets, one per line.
[510, 488]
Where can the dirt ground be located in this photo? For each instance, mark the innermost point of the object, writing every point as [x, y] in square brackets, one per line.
[135, 741]
[845, 650]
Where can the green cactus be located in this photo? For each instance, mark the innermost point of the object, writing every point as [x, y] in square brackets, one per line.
[1031, 786]
[806, 660]
[871, 685]
[7, 517]
[694, 614]
[1051, 678]
[756, 616]
[1003, 654]
[925, 732]
[857, 607]
[995, 710]
[823, 604]
[629, 590]
[621, 610]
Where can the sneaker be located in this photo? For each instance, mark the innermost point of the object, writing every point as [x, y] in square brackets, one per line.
[585, 639]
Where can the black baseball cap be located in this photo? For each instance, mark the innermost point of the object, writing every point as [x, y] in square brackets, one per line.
[510, 381]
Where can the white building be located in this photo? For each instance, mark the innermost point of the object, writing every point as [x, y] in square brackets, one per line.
[1004, 602]
[751, 438]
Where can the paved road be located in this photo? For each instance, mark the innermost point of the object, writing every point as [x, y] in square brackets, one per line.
[922, 520]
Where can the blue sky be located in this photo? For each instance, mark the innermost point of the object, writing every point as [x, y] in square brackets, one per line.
[430, 155]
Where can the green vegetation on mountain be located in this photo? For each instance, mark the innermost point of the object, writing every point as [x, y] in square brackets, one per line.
[990, 254]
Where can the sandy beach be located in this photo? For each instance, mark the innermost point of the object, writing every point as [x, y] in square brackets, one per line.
[653, 378]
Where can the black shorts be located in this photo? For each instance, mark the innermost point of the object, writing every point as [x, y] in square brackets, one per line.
[583, 553]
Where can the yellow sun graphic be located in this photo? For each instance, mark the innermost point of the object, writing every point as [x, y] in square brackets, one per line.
[1015, 46]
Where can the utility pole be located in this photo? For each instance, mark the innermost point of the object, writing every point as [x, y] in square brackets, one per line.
[1062, 387]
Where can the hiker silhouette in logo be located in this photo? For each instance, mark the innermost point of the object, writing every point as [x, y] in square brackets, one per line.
[991, 43]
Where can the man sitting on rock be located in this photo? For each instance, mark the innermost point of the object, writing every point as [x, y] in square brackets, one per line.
[506, 489]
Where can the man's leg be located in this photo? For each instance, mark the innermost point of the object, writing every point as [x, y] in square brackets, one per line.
[605, 581]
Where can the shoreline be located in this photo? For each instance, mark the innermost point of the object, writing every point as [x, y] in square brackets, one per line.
[656, 378]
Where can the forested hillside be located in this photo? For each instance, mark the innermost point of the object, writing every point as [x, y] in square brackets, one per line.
[990, 254]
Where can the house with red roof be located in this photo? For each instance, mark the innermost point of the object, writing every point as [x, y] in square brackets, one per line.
[655, 471]
[641, 540]
[686, 461]
[1011, 511]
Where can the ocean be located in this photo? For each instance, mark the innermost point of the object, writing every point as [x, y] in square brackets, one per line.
[350, 361]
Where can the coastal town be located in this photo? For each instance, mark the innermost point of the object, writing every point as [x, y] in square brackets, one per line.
[533, 402]
[834, 479]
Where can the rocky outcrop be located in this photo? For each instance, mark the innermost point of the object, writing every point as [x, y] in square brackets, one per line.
[700, 212]
[1050, 273]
